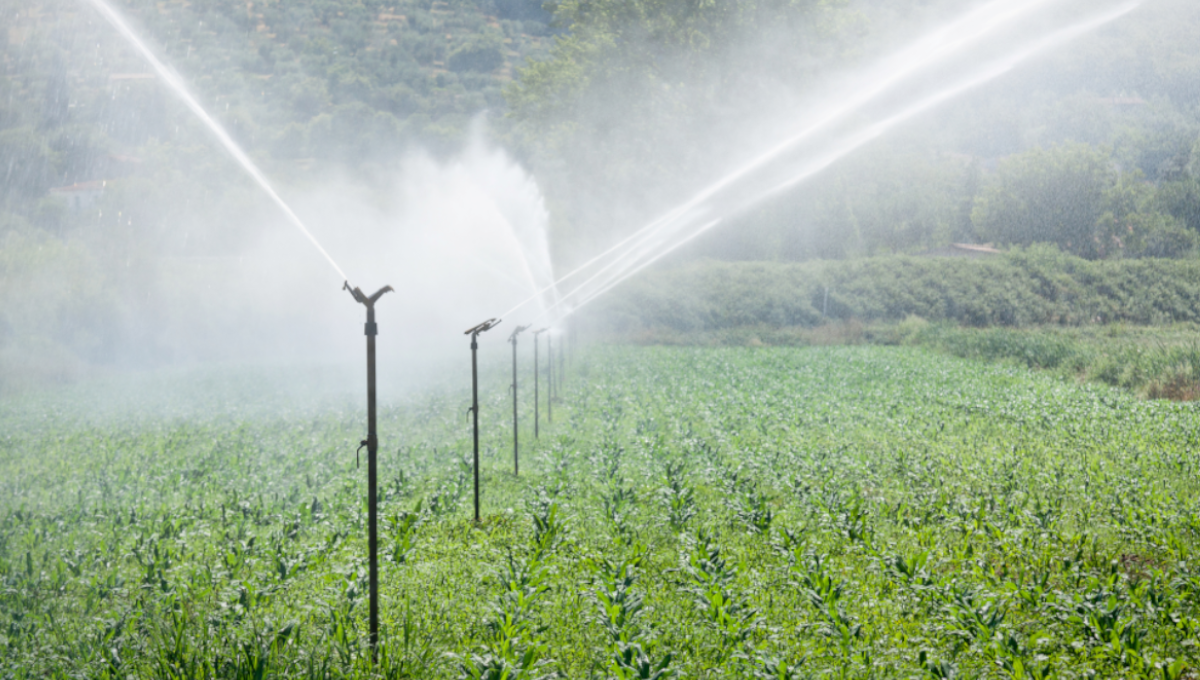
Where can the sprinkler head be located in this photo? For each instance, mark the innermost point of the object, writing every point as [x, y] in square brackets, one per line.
[516, 331]
[360, 297]
[485, 326]
[540, 331]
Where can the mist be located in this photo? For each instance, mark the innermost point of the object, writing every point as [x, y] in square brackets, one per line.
[874, 338]
[776, 142]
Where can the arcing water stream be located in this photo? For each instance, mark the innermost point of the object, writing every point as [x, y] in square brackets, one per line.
[175, 83]
[938, 46]
[685, 230]
[701, 213]
[743, 187]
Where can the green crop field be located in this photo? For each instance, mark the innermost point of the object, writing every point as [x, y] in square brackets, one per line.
[855, 512]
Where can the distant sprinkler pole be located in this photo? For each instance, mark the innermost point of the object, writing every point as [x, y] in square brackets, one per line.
[550, 378]
[513, 339]
[372, 444]
[536, 415]
[474, 333]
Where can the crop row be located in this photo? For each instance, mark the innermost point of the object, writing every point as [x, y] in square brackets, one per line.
[757, 513]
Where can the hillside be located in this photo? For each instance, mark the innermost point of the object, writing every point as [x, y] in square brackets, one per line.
[618, 111]
[291, 80]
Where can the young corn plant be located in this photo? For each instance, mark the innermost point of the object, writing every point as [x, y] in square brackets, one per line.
[768, 667]
[850, 516]
[910, 569]
[754, 510]
[513, 649]
[974, 618]
[618, 501]
[710, 582]
[403, 527]
[620, 611]
[679, 498]
[810, 574]
[549, 525]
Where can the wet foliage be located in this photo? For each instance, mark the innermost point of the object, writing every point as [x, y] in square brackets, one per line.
[753, 513]
[1025, 287]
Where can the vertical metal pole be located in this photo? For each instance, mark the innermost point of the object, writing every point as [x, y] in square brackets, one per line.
[372, 444]
[475, 415]
[474, 333]
[562, 351]
[536, 404]
[372, 476]
[549, 378]
[516, 465]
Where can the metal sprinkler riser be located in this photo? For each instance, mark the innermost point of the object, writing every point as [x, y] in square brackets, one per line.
[474, 333]
[536, 397]
[370, 329]
[513, 339]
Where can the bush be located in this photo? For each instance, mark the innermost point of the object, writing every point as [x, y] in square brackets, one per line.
[481, 57]
[1047, 196]
[1039, 285]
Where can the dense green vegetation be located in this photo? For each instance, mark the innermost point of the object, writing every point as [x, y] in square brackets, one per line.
[1021, 288]
[1158, 362]
[757, 513]
[645, 102]
[620, 108]
[348, 80]
[1126, 323]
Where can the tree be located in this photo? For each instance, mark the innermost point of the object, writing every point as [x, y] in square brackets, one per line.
[1073, 196]
[1181, 199]
[643, 100]
[1054, 195]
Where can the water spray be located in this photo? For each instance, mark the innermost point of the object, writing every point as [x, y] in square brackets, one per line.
[172, 79]
[935, 48]
[474, 333]
[536, 400]
[372, 444]
[513, 339]
[651, 252]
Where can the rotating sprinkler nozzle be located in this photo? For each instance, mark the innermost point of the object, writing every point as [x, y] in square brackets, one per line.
[372, 444]
[474, 333]
[513, 339]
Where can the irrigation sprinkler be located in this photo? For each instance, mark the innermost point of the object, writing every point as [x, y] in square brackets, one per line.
[562, 372]
[372, 444]
[474, 333]
[513, 339]
[536, 402]
[550, 378]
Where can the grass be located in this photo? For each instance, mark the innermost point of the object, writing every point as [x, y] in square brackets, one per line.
[843, 512]
[1156, 362]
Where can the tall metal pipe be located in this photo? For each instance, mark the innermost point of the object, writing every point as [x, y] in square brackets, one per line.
[513, 339]
[536, 400]
[550, 378]
[372, 444]
[474, 333]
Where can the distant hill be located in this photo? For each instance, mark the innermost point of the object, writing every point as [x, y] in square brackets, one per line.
[293, 80]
